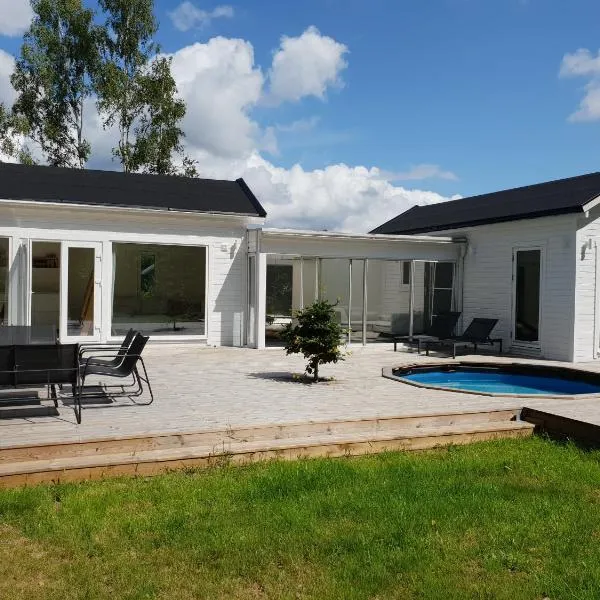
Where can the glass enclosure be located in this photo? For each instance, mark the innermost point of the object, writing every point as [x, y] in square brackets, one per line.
[159, 289]
[373, 297]
[335, 287]
[4, 273]
[251, 333]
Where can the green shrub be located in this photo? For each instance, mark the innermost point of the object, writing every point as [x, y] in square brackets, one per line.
[317, 335]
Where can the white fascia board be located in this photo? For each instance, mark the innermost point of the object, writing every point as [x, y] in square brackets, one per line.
[319, 235]
[591, 204]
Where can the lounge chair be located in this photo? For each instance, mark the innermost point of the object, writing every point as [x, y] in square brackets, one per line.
[126, 366]
[476, 334]
[442, 327]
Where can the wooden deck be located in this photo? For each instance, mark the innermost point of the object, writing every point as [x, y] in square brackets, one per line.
[244, 404]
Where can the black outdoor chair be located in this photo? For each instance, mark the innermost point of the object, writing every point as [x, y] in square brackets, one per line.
[476, 334]
[95, 348]
[442, 327]
[127, 366]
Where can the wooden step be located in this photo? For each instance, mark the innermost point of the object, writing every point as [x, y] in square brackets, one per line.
[563, 427]
[223, 437]
[75, 468]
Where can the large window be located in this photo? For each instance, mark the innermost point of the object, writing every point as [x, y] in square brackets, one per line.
[159, 289]
[3, 281]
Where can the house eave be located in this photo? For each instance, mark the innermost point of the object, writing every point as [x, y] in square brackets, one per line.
[130, 209]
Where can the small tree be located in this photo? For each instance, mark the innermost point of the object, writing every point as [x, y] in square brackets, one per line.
[317, 336]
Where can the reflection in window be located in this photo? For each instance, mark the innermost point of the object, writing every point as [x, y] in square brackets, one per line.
[147, 274]
[159, 289]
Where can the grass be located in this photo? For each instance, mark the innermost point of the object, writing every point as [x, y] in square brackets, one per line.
[507, 519]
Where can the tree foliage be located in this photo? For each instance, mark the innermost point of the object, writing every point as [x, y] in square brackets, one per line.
[13, 129]
[71, 61]
[136, 90]
[317, 336]
[53, 78]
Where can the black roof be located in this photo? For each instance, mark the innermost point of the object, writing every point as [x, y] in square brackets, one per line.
[130, 190]
[543, 199]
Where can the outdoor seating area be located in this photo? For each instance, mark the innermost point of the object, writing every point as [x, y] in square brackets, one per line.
[28, 361]
[477, 334]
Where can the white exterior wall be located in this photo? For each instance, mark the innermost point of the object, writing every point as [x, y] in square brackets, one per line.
[587, 256]
[488, 285]
[224, 238]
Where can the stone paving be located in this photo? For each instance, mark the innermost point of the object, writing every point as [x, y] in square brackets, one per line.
[200, 388]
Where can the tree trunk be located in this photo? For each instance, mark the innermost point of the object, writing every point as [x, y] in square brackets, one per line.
[316, 373]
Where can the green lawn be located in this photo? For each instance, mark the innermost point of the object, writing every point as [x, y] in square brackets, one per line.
[509, 519]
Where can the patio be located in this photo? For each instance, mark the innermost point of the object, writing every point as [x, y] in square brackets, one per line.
[203, 389]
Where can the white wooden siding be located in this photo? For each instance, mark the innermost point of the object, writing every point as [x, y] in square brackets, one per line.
[588, 230]
[488, 278]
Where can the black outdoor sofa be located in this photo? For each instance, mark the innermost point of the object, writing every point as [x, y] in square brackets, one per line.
[58, 365]
[476, 334]
[442, 327]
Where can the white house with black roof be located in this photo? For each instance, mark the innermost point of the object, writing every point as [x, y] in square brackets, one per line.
[531, 260]
[93, 253]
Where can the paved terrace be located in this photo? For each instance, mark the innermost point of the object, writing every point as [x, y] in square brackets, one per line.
[216, 388]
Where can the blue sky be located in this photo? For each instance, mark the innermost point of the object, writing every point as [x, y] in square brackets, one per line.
[471, 87]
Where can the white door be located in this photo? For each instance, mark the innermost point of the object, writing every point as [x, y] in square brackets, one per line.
[80, 291]
[527, 298]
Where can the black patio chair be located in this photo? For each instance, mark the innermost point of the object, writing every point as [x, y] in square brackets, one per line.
[476, 334]
[126, 367]
[95, 348]
[442, 327]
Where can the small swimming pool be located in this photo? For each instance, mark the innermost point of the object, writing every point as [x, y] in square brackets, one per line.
[509, 379]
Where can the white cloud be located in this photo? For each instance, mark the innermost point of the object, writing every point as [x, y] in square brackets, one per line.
[299, 126]
[306, 66]
[222, 86]
[337, 198]
[583, 63]
[7, 64]
[188, 16]
[15, 16]
[420, 172]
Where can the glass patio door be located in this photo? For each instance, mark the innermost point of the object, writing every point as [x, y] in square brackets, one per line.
[80, 291]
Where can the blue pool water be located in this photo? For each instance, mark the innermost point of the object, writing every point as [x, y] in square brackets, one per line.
[497, 382]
